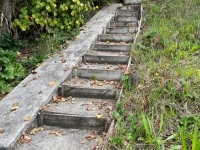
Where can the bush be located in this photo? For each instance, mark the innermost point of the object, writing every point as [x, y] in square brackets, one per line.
[11, 71]
[48, 14]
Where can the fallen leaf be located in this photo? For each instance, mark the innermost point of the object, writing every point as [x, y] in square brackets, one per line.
[35, 78]
[127, 72]
[19, 54]
[63, 60]
[83, 142]
[90, 137]
[87, 103]
[52, 83]
[27, 118]
[34, 130]
[99, 116]
[88, 108]
[33, 72]
[2, 130]
[110, 108]
[46, 107]
[15, 106]
[24, 138]
[57, 133]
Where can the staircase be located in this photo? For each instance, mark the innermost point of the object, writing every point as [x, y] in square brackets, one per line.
[79, 115]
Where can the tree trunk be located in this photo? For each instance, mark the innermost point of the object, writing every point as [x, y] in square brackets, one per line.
[6, 16]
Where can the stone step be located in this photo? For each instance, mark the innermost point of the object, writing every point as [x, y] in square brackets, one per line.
[124, 18]
[108, 52]
[109, 58]
[115, 38]
[112, 47]
[121, 30]
[92, 83]
[78, 113]
[123, 23]
[87, 92]
[127, 13]
[130, 7]
[100, 71]
[66, 139]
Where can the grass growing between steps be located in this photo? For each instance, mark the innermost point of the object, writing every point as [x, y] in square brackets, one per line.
[162, 110]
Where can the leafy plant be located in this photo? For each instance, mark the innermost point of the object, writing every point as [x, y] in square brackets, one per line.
[10, 43]
[124, 80]
[11, 71]
[48, 14]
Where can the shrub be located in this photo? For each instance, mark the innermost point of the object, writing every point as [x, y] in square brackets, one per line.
[11, 71]
[48, 14]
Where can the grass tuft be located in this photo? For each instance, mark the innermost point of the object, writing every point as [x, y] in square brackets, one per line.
[162, 111]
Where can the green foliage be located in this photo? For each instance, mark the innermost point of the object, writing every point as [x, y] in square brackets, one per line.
[9, 43]
[162, 109]
[48, 14]
[125, 82]
[10, 70]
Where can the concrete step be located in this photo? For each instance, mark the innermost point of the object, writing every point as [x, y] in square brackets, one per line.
[121, 30]
[112, 47]
[81, 113]
[66, 139]
[108, 84]
[115, 38]
[124, 18]
[123, 23]
[128, 13]
[100, 71]
[87, 92]
[109, 58]
[130, 7]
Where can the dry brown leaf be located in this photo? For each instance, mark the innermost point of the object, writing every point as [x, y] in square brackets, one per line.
[46, 107]
[2, 130]
[27, 118]
[127, 72]
[63, 60]
[57, 133]
[24, 138]
[33, 72]
[83, 142]
[15, 106]
[18, 54]
[88, 108]
[99, 116]
[110, 108]
[52, 83]
[90, 137]
[88, 103]
[34, 130]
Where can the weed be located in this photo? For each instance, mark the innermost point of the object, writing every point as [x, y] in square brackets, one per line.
[162, 110]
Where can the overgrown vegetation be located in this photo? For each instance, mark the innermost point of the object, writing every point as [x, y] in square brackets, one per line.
[43, 28]
[46, 14]
[162, 111]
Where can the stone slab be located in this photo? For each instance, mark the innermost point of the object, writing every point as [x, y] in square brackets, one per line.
[112, 47]
[71, 139]
[35, 91]
[123, 23]
[124, 18]
[121, 30]
[115, 38]
[109, 59]
[79, 114]
[88, 92]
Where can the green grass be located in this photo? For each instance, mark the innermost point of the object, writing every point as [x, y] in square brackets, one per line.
[162, 111]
